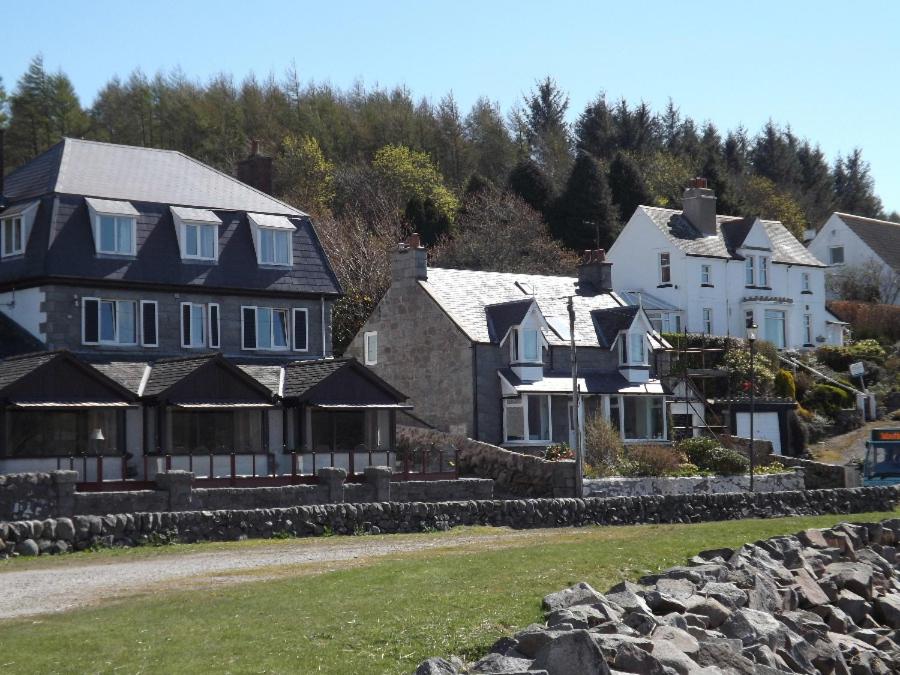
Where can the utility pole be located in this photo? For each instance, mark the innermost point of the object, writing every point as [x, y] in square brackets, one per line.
[576, 416]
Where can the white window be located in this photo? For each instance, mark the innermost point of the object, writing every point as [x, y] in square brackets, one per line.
[200, 241]
[301, 330]
[532, 346]
[706, 275]
[665, 268]
[807, 329]
[370, 348]
[514, 345]
[774, 328]
[149, 324]
[108, 322]
[707, 320]
[804, 281]
[763, 271]
[193, 325]
[264, 328]
[836, 255]
[750, 271]
[213, 328]
[274, 247]
[116, 235]
[527, 419]
[632, 348]
[13, 234]
[671, 322]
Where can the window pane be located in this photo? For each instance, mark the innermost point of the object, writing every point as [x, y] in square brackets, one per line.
[300, 337]
[124, 226]
[614, 412]
[249, 327]
[515, 423]
[46, 433]
[637, 347]
[213, 326]
[775, 327]
[127, 322]
[282, 247]
[91, 321]
[186, 325]
[266, 246]
[349, 430]
[538, 418]
[108, 234]
[264, 327]
[148, 323]
[279, 328]
[208, 241]
[322, 430]
[7, 237]
[107, 321]
[749, 271]
[190, 240]
[531, 345]
[197, 328]
[656, 418]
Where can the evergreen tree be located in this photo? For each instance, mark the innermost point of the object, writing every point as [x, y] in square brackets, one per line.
[853, 187]
[816, 189]
[584, 216]
[627, 187]
[594, 130]
[451, 150]
[542, 126]
[528, 182]
[774, 156]
[4, 106]
[477, 183]
[735, 151]
[636, 130]
[491, 143]
[425, 218]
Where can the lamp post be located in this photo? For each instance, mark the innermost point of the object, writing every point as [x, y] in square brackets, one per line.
[751, 338]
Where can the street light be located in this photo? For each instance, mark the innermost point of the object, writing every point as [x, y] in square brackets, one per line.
[751, 338]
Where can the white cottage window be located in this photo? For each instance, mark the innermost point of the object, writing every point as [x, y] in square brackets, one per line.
[527, 419]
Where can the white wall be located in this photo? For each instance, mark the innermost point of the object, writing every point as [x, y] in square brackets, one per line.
[24, 307]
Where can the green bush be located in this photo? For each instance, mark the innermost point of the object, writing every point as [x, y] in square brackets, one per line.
[784, 385]
[840, 358]
[708, 455]
[650, 460]
[558, 451]
[827, 399]
[774, 467]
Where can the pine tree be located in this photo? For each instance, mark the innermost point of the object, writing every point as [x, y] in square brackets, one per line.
[4, 106]
[491, 143]
[528, 182]
[816, 193]
[774, 156]
[735, 151]
[627, 187]
[542, 126]
[594, 130]
[853, 187]
[584, 216]
[427, 220]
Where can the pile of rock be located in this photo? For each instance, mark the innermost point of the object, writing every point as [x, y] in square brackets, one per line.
[821, 601]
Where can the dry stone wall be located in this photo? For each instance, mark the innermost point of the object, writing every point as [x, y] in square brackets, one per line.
[661, 485]
[516, 475]
[56, 535]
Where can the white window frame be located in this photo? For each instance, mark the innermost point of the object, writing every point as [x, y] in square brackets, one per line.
[290, 247]
[218, 325]
[273, 348]
[204, 314]
[763, 275]
[750, 271]
[648, 416]
[115, 341]
[522, 402]
[708, 320]
[294, 313]
[626, 341]
[116, 218]
[199, 226]
[665, 268]
[514, 346]
[706, 275]
[369, 358]
[155, 323]
[805, 285]
[831, 250]
[536, 358]
[12, 220]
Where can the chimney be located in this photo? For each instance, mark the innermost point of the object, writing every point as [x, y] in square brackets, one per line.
[410, 261]
[256, 170]
[594, 272]
[699, 204]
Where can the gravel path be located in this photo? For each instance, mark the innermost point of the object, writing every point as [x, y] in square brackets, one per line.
[64, 587]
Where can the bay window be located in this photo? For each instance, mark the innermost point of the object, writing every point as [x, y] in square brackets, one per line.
[527, 419]
[108, 322]
[632, 348]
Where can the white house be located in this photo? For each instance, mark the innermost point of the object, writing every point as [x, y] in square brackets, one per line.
[723, 273]
[847, 242]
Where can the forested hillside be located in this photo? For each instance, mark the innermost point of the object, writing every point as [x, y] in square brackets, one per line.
[487, 188]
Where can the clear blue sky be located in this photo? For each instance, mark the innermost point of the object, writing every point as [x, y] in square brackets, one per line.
[828, 68]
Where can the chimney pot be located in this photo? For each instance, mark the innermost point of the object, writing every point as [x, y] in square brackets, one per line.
[699, 206]
[594, 271]
[254, 147]
[410, 260]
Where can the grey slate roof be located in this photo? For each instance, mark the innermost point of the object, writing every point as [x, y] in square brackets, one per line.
[268, 376]
[503, 316]
[610, 321]
[730, 234]
[301, 376]
[15, 368]
[168, 372]
[881, 236]
[127, 373]
[16, 340]
[464, 296]
[111, 171]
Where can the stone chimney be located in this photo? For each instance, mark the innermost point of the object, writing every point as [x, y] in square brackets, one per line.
[410, 261]
[699, 204]
[594, 272]
[256, 170]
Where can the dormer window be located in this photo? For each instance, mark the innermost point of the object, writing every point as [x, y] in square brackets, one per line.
[524, 345]
[13, 236]
[273, 238]
[198, 233]
[632, 348]
[531, 345]
[113, 225]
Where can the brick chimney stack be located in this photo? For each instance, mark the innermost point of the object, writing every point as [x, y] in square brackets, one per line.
[594, 272]
[699, 204]
[256, 169]
[410, 261]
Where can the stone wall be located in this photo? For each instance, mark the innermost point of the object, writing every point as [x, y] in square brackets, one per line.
[515, 474]
[44, 495]
[821, 476]
[80, 532]
[660, 485]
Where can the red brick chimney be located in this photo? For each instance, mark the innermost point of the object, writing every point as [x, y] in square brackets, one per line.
[256, 170]
[594, 272]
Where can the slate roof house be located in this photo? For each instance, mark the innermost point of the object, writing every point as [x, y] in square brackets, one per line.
[200, 296]
[486, 354]
[716, 274]
[846, 241]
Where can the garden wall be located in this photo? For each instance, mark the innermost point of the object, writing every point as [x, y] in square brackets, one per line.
[659, 485]
[45, 495]
[516, 475]
[80, 532]
[821, 476]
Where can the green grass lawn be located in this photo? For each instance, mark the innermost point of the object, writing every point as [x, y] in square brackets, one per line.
[382, 617]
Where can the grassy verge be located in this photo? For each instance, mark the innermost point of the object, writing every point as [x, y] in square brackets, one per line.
[382, 617]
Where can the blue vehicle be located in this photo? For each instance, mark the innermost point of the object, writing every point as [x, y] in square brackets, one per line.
[882, 463]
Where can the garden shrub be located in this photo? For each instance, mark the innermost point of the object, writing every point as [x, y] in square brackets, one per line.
[603, 446]
[784, 385]
[709, 455]
[840, 358]
[558, 451]
[827, 399]
[650, 460]
[774, 467]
